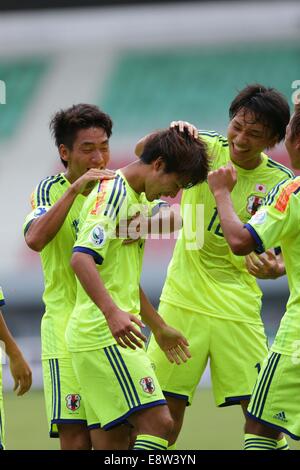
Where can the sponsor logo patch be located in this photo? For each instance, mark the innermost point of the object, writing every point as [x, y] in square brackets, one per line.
[98, 236]
[73, 401]
[259, 218]
[147, 384]
[280, 416]
[39, 211]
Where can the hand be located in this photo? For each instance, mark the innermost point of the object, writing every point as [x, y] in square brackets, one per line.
[184, 125]
[132, 229]
[21, 374]
[87, 181]
[173, 343]
[265, 266]
[222, 178]
[121, 326]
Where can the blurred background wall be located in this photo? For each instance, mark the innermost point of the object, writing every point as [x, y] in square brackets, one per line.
[145, 64]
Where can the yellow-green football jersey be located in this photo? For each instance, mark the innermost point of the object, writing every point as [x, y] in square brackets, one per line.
[278, 222]
[2, 302]
[204, 276]
[118, 265]
[60, 283]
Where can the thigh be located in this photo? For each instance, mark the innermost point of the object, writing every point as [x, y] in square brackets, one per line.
[236, 354]
[63, 397]
[181, 381]
[116, 382]
[274, 400]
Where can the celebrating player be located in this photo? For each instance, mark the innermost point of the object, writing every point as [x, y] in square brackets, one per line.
[274, 406]
[209, 294]
[118, 382]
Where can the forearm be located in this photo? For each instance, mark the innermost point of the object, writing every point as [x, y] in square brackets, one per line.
[44, 229]
[11, 347]
[85, 269]
[238, 238]
[149, 314]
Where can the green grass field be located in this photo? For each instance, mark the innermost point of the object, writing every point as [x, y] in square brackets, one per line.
[206, 427]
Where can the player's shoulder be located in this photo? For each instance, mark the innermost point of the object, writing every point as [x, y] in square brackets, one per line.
[283, 193]
[213, 137]
[47, 187]
[278, 168]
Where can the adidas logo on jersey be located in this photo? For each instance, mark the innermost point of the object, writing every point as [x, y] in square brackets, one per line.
[281, 416]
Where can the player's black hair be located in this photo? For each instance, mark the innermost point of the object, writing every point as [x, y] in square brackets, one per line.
[295, 124]
[67, 122]
[268, 105]
[181, 153]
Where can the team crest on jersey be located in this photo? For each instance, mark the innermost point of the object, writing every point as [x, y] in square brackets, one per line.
[259, 217]
[73, 402]
[147, 384]
[98, 236]
[253, 203]
[39, 211]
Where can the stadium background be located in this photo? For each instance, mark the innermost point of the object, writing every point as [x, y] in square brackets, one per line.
[145, 64]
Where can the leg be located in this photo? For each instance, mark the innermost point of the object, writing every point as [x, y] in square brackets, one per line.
[74, 437]
[154, 421]
[177, 409]
[114, 439]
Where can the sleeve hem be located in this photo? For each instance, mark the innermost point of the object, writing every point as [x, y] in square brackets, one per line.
[82, 249]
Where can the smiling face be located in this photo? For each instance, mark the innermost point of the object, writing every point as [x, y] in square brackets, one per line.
[90, 150]
[247, 138]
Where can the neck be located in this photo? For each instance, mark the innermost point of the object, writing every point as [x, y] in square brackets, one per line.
[70, 176]
[135, 175]
[248, 165]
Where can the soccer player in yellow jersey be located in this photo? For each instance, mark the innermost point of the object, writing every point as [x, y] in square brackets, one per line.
[81, 134]
[208, 293]
[274, 405]
[19, 368]
[118, 383]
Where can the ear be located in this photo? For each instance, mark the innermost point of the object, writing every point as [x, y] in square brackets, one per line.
[159, 164]
[64, 152]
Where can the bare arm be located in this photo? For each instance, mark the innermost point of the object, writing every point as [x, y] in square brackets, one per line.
[171, 341]
[43, 229]
[120, 323]
[19, 368]
[167, 220]
[221, 183]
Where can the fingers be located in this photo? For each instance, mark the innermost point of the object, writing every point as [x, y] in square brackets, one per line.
[184, 125]
[178, 354]
[23, 383]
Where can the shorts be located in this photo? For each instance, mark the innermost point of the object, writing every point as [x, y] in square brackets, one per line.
[235, 350]
[275, 398]
[115, 383]
[2, 423]
[64, 404]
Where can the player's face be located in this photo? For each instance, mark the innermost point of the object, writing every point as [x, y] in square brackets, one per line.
[160, 183]
[247, 138]
[293, 147]
[90, 150]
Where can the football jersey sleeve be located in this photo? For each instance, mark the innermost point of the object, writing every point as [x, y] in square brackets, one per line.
[99, 218]
[43, 198]
[278, 219]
